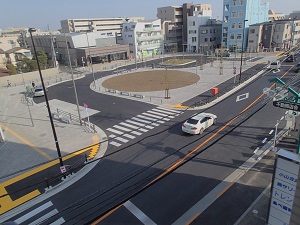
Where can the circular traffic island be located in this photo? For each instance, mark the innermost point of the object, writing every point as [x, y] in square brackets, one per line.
[147, 81]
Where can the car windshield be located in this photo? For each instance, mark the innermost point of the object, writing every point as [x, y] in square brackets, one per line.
[274, 63]
[192, 121]
[39, 89]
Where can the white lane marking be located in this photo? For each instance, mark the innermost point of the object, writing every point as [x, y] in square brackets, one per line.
[151, 115]
[138, 213]
[115, 143]
[169, 110]
[282, 118]
[122, 128]
[129, 136]
[114, 131]
[136, 133]
[256, 150]
[33, 212]
[264, 140]
[44, 217]
[58, 222]
[169, 113]
[271, 131]
[143, 130]
[242, 97]
[129, 125]
[121, 139]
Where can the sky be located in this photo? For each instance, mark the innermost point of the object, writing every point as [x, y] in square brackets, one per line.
[41, 14]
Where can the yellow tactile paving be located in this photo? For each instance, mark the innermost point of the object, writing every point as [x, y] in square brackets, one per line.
[7, 203]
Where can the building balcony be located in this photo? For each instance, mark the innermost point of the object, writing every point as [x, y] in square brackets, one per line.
[149, 38]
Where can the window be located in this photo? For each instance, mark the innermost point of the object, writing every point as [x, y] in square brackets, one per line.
[233, 14]
[232, 25]
[233, 2]
[241, 14]
[205, 39]
[251, 41]
[194, 39]
[242, 2]
[240, 25]
[252, 31]
[239, 36]
[192, 31]
[232, 36]
[203, 31]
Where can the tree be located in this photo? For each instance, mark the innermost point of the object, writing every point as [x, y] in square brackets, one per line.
[43, 59]
[11, 68]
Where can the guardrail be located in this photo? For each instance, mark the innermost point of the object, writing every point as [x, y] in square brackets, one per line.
[67, 117]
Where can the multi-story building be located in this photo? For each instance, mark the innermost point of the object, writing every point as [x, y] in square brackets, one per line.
[210, 35]
[109, 26]
[83, 47]
[237, 16]
[275, 16]
[274, 35]
[145, 38]
[174, 21]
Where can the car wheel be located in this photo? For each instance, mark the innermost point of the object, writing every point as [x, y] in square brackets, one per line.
[201, 131]
[215, 121]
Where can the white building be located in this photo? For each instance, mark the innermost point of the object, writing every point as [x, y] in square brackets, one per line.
[198, 19]
[145, 38]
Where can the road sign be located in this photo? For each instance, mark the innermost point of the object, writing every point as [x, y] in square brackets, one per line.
[287, 105]
[63, 169]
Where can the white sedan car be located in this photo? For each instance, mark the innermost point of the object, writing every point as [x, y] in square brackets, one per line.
[198, 123]
[39, 91]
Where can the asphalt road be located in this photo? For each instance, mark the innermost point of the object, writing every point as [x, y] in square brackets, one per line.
[216, 154]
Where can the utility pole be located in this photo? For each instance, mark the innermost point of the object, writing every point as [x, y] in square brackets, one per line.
[54, 60]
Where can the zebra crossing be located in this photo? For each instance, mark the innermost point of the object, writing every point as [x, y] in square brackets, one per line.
[40, 216]
[140, 124]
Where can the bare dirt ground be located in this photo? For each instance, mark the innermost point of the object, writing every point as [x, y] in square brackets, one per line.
[147, 81]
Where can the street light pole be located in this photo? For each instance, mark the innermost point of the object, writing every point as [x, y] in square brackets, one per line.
[74, 86]
[87, 38]
[242, 52]
[46, 99]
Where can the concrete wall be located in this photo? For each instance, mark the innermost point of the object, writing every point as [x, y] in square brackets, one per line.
[29, 77]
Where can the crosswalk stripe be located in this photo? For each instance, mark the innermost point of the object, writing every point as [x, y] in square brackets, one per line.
[112, 136]
[34, 212]
[160, 121]
[44, 217]
[58, 222]
[144, 121]
[166, 119]
[114, 131]
[151, 115]
[129, 136]
[147, 118]
[121, 128]
[115, 143]
[136, 133]
[129, 125]
[121, 139]
[139, 124]
[159, 110]
[158, 113]
[142, 129]
[169, 110]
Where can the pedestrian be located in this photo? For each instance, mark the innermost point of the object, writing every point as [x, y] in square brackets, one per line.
[33, 84]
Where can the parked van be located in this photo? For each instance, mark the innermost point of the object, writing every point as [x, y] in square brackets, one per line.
[275, 65]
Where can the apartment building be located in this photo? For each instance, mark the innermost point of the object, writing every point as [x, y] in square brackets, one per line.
[272, 15]
[237, 16]
[175, 23]
[145, 38]
[210, 35]
[109, 26]
[274, 35]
